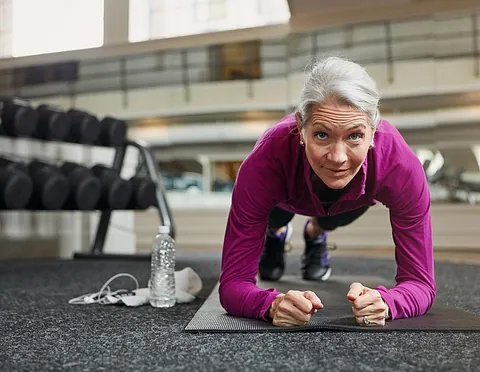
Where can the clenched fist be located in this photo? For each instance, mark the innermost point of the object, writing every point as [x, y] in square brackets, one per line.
[368, 307]
[295, 308]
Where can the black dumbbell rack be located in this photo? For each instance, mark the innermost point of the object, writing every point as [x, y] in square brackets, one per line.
[161, 204]
[19, 122]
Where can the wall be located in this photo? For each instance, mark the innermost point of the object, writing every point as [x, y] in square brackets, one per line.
[452, 226]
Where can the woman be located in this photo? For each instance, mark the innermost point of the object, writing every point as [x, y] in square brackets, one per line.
[331, 160]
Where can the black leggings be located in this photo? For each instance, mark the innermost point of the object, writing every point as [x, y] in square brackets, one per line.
[279, 217]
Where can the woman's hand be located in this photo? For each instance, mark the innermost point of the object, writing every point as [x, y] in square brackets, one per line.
[368, 306]
[295, 308]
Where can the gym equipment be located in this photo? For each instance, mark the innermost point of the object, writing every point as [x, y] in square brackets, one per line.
[53, 123]
[18, 118]
[143, 193]
[84, 129]
[116, 192]
[16, 186]
[337, 314]
[161, 204]
[41, 186]
[113, 132]
[85, 187]
[50, 187]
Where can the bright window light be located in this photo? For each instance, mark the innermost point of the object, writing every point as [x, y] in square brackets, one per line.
[49, 26]
[158, 19]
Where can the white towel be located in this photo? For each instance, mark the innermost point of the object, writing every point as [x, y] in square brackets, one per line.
[187, 285]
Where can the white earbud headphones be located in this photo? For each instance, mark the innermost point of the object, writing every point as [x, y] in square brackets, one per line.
[104, 295]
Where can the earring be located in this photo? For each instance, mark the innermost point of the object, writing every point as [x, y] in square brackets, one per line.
[301, 143]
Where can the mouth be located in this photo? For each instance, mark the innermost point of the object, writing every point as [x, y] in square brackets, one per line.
[337, 171]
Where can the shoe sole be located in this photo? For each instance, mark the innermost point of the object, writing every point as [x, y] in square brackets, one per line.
[289, 232]
[323, 278]
[326, 276]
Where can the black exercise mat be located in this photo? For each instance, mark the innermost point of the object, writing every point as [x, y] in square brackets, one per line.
[336, 315]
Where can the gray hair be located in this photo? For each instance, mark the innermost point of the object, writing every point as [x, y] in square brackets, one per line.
[343, 81]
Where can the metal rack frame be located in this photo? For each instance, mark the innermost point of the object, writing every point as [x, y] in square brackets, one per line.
[162, 206]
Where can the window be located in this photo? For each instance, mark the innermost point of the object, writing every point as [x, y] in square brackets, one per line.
[273, 11]
[138, 18]
[158, 19]
[5, 28]
[199, 11]
[205, 11]
[217, 10]
[236, 61]
[48, 26]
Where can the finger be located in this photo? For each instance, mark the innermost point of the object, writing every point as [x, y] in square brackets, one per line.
[355, 291]
[314, 299]
[290, 318]
[288, 311]
[376, 308]
[369, 298]
[372, 323]
[299, 301]
[288, 323]
[373, 320]
[286, 320]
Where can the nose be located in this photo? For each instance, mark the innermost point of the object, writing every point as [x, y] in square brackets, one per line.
[337, 154]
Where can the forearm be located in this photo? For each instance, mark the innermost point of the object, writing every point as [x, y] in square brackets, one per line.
[408, 299]
[245, 299]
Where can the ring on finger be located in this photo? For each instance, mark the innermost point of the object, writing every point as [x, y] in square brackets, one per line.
[365, 320]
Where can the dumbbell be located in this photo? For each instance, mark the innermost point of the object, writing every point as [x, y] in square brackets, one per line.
[143, 193]
[16, 186]
[53, 123]
[85, 188]
[84, 127]
[116, 192]
[113, 132]
[19, 118]
[50, 187]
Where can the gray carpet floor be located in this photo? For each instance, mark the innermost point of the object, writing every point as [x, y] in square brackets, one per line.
[40, 331]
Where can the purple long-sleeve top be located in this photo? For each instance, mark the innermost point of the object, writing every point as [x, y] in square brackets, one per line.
[277, 173]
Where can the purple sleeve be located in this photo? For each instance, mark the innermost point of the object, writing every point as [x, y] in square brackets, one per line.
[254, 195]
[408, 198]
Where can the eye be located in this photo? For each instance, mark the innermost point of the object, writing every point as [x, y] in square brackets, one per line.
[321, 135]
[356, 136]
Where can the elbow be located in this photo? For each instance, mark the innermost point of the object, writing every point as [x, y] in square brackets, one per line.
[432, 293]
[222, 296]
[232, 295]
[420, 294]
[226, 299]
[430, 286]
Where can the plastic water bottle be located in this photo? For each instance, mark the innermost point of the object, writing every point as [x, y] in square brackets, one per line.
[162, 271]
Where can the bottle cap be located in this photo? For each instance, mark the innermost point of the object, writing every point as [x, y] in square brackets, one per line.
[164, 229]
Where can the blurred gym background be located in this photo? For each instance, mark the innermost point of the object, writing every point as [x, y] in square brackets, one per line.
[179, 91]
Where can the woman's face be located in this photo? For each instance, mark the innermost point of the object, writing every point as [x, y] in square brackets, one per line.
[336, 139]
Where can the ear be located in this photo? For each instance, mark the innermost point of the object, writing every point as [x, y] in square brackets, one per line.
[372, 144]
[298, 118]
